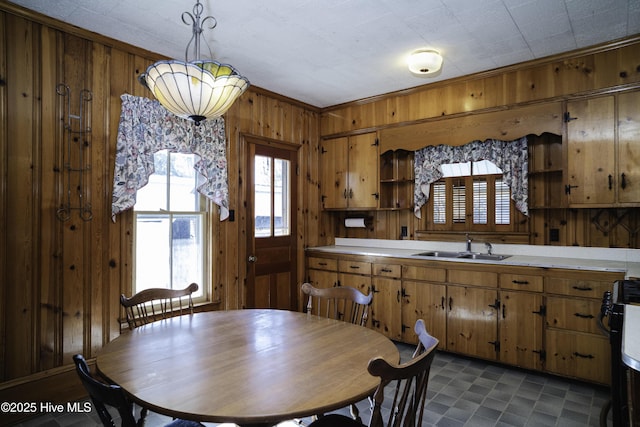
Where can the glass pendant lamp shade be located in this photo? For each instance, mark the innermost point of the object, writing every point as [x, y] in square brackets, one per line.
[198, 89]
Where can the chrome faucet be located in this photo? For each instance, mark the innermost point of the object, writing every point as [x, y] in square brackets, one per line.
[489, 247]
[469, 239]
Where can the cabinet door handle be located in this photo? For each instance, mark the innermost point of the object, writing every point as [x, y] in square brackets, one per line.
[623, 181]
[520, 282]
[351, 193]
[504, 311]
[610, 182]
[398, 295]
[442, 303]
[450, 303]
[583, 316]
[584, 356]
[344, 194]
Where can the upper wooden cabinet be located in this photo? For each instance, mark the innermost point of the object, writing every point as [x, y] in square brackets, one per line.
[603, 154]
[350, 172]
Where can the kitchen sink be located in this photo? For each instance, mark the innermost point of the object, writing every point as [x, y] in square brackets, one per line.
[464, 255]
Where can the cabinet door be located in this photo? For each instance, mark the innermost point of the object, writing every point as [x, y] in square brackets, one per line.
[472, 321]
[628, 147]
[361, 283]
[385, 307]
[579, 355]
[520, 329]
[591, 151]
[363, 171]
[426, 301]
[334, 160]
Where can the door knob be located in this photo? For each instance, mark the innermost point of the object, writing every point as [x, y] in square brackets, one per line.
[252, 258]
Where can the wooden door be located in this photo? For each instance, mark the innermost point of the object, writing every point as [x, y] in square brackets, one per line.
[472, 321]
[520, 329]
[591, 151]
[426, 301]
[628, 173]
[363, 171]
[386, 312]
[271, 226]
[334, 163]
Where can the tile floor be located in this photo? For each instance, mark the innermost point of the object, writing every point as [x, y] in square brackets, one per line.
[462, 392]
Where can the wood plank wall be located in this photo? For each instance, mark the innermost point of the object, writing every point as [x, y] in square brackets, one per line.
[607, 68]
[61, 280]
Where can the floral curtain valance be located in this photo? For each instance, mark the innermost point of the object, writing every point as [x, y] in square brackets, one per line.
[145, 128]
[510, 156]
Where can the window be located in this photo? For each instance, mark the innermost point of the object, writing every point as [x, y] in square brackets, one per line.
[470, 196]
[170, 227]
[271, 196]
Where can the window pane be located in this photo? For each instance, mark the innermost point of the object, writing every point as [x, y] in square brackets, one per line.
[503, 203]
[439, 203]
[480, 201]
[187, 250]
[262, 196]
[459, 201]
[153, 196]
[182, 181]
[153, 252]
[282, 210]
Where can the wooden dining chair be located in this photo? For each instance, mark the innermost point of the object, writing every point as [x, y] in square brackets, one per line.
[410, 392]
[340, 302]
[157, 303]
[103, 395]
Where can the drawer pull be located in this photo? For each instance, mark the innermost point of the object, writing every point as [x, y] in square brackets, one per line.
[582, 288]
[520, 282]
[355, 267]
[324, 264]
[583, 316]
[386, 270]
[584, 356]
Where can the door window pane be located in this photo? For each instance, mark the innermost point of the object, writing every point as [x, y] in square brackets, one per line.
[262, 196]
[282, 210]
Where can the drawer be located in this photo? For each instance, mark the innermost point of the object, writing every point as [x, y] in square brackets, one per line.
[522, 282]
[588, 288]
[574, 314]
[424, 273]
[579, 355]
[387, 270]
[473, 278]
[322, 263]
[355, 267]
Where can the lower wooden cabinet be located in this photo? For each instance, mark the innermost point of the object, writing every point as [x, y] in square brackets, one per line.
[543, 319]
[579, 355]
[521, 329]
[472, 321]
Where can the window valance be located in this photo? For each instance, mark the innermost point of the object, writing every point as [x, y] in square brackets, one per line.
[510, 156]
[145, 128]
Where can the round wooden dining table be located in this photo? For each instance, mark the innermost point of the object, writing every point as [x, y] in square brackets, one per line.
[249, 367]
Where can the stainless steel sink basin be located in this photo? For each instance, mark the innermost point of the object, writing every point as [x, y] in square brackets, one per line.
[490, 257]
[439, 254]
[465, 255]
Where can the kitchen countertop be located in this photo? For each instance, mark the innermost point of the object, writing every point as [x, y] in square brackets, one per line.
[631, 337]
[596, 259]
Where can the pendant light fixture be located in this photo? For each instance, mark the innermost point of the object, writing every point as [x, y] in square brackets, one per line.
[197, 89]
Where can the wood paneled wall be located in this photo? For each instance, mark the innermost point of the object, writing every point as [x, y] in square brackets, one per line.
[61, 280]
[407, 115]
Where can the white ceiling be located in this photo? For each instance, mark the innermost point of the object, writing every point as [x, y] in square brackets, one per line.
[327, 52]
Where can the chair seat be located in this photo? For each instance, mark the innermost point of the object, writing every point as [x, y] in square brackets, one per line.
[335, 420]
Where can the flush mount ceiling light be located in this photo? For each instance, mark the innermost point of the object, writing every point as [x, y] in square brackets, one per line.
[425, 62]
[197, 89]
